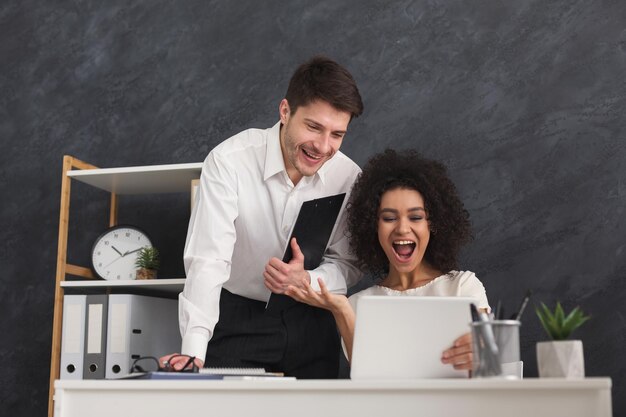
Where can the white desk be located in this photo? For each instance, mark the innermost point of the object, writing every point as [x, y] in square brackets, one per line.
[468, 398]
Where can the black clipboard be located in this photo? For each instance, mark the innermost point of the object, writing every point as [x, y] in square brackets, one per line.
[313, 228]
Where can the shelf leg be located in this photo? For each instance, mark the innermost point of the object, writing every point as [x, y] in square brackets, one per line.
[64, 215]
[113, 212]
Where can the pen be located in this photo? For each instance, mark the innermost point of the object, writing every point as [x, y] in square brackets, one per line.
[522, 306]
[491, 348]
[489, 337]
[474, 311]
[498, 312]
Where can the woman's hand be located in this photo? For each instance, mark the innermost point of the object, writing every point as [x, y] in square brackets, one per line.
[460, 355]
[337, 304]
[323, 299]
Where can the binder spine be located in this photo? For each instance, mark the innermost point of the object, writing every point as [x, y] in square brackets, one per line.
[73, 337]
[118, 342]
[95, 336]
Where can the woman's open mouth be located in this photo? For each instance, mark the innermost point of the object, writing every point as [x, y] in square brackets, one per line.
[403, 249]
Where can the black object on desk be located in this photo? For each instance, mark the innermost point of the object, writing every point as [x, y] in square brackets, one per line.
[312, 230]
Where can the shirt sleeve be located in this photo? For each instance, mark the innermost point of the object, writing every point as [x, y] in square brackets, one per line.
[470, 286]
[338, 267]
[207, 256]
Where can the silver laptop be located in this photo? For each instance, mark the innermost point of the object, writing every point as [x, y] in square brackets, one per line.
[404, 337]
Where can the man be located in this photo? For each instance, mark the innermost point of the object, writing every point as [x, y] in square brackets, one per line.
[251, 190]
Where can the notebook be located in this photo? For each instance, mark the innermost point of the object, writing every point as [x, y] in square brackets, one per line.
[312, 230]
[404, 337]
[211, 373]
[170, 375]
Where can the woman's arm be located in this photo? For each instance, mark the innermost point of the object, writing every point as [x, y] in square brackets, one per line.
[337, 304]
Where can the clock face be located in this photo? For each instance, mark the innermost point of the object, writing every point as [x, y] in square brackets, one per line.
[114, 253]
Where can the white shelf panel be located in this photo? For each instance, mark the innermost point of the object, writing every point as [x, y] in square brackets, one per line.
[151, 179]
[174, 285]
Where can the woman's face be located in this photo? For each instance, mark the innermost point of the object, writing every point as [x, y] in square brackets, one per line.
[403, 230]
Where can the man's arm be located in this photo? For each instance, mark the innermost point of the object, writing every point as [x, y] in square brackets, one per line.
[337, 269]
[207, 256]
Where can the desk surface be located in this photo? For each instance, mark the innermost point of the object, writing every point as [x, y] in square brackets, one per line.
[476, 397]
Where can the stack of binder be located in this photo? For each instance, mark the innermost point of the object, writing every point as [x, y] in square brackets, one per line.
[103, 334]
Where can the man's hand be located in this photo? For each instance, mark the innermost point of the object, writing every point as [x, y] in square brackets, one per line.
[176, 361]
[279, 275]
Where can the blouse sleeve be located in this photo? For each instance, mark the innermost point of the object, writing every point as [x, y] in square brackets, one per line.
[470, 286]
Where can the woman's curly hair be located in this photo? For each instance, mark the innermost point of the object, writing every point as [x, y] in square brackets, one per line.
[448, 220]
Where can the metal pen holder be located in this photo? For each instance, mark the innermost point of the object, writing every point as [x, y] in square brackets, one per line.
[504, 360]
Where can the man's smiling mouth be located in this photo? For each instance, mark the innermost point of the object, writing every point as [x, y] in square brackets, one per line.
[310, 155]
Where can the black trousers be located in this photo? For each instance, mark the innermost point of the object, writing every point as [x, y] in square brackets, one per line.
[301, 341]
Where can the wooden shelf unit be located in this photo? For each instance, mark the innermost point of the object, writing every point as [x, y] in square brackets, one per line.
[153, 179]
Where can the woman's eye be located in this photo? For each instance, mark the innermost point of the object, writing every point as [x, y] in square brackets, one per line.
[415, 218]
[388, 219]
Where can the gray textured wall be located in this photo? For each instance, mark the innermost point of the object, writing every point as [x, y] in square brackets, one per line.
[524, 100]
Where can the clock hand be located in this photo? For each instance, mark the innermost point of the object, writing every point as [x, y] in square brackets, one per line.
[115, 249]
[114, 260]
[132, 251]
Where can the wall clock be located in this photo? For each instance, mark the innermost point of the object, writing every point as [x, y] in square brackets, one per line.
[114, 252]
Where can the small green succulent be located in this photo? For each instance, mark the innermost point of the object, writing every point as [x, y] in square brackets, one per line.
[148, 258]
[557, 324]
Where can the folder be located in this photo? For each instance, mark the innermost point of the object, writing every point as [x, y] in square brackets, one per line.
[171, 375]
[313, 229]
[95, 336]
[139, 326]
[73, 337]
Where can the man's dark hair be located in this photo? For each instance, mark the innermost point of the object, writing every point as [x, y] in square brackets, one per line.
[321, 78]
[448, 220]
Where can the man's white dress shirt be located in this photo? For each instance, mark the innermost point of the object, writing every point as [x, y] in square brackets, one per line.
[246, 207]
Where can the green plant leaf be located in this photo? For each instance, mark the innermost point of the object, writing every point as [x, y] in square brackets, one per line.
[148, 258]
[546, 318]
[574, 320]
[557, 325]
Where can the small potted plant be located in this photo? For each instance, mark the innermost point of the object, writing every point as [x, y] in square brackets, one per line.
[147, 262]
[560, 358]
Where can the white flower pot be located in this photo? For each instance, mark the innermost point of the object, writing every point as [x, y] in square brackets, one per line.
[561, 359]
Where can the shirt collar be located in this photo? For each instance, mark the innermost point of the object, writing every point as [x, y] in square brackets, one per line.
[274, 162]
[273, 154]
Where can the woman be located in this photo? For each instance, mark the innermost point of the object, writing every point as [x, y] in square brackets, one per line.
[406, 225]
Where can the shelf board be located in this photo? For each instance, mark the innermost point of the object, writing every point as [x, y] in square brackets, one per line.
[151, 179]
[171, 286]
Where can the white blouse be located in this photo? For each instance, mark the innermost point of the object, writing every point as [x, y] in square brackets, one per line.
[453, 284]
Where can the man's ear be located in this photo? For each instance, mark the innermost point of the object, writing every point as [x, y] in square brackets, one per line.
[284, 111]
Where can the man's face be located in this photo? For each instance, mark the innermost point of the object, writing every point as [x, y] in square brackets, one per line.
[310, 136]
